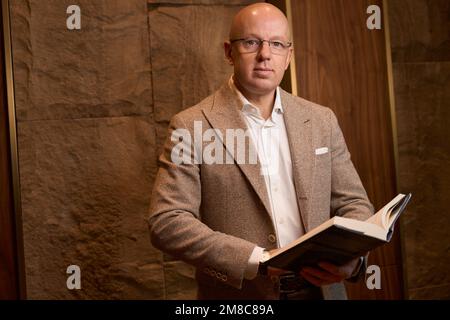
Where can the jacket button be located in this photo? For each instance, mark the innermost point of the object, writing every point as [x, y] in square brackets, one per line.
[272, 238]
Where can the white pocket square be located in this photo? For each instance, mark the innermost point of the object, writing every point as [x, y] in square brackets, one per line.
[321, 150]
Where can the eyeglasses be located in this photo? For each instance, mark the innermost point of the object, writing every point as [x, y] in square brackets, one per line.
[250, 45]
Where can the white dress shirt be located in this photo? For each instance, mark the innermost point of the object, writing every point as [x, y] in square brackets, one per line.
[272, 146]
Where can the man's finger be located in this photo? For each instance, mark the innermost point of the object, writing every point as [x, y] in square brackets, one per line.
[331, 268]
[271, 271]
[315, 281]
[323, 275]
[311, 279]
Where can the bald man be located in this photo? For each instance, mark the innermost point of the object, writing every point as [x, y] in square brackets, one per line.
[252, 168]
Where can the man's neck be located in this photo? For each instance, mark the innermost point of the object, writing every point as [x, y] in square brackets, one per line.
[263, 102]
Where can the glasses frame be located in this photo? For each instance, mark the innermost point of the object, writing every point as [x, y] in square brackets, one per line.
[286, 45]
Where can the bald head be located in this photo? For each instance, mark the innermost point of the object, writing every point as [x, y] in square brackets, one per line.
[249, 20]
[257, 73]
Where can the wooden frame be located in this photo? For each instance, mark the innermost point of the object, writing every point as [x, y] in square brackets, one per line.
[12, 276]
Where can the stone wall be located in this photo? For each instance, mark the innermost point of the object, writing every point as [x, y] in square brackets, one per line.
[92, 109]
[420, 39]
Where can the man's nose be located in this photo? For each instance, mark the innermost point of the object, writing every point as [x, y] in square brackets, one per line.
[264, 52]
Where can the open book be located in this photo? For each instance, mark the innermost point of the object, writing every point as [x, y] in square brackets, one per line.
[340, 239]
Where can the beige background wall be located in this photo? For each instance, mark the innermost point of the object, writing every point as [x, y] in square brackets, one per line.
[420, 39]
[92, 110]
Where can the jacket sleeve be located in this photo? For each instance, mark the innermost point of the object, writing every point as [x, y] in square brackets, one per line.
[348, 196]
[175, 223]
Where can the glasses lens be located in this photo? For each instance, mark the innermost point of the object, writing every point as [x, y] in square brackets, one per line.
[252, 45]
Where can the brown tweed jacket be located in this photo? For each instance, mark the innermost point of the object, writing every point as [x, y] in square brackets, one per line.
[213, 215]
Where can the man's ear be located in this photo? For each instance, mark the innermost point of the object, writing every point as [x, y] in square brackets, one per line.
[289, 57]
[227, 51]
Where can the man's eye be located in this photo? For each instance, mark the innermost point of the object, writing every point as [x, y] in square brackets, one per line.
[251, 42]
[277, 44]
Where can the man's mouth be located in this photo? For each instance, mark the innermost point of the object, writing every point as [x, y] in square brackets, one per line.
[263, 69]
[263, 72]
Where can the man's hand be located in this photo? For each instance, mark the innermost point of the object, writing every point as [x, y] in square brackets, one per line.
[328, 273]
[271, 271]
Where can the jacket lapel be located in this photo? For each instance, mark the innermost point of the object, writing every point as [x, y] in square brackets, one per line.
[224, 114]
[298, 126]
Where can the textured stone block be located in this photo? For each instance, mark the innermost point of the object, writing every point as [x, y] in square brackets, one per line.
[85, 195]
[179, 281]
[419, 30]
[101, 70]
[88, 142]
[431, 293]
[161, 136]
[423, 114]
[188, 62]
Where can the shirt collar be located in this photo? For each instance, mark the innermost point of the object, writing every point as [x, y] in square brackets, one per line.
[248, 107]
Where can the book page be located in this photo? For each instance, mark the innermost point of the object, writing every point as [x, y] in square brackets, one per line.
[397, 210]
[363, 227]
[383, 216]
[305, 237]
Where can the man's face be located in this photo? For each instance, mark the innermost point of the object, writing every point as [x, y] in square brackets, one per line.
[260, 72]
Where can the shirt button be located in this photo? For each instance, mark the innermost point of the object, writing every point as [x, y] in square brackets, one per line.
[272, 238]
[281, 221]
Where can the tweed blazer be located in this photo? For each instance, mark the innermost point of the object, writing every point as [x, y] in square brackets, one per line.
[212, 215]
